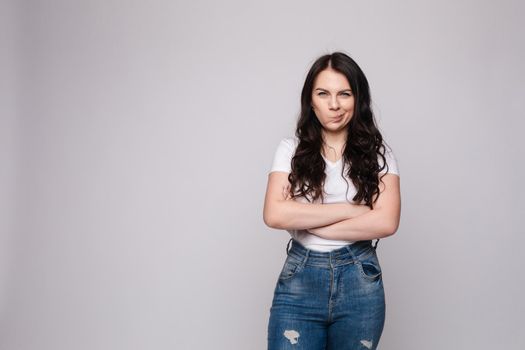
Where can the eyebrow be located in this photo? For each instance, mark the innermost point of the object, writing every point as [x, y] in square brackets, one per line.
[339, 91]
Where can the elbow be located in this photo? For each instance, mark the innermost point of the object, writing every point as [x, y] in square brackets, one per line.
[274, 217]
[388, 222]
[275, 224]
[391, 228]
[271, 220]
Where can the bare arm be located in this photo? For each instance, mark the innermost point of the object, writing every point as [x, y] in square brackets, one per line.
[281, 212]
[381, 222]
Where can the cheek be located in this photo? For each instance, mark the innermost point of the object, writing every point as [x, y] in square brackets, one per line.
[318, 107]
[349, 106]
[316, 102]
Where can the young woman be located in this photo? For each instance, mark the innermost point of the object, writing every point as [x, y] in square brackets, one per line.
[334, 187]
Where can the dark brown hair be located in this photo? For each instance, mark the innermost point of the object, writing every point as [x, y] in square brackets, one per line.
[363, 145]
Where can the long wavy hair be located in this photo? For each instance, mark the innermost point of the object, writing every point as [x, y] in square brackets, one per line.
[363, 145]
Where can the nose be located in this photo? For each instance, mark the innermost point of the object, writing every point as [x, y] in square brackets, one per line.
[334, 103]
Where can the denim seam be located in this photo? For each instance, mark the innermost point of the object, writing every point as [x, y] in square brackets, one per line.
[365, 255]
[301, 263]
[372, 278]
[328, 266]
[360, 263]
[330, 302]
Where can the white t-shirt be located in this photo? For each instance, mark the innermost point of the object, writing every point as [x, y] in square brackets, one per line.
[335, 189]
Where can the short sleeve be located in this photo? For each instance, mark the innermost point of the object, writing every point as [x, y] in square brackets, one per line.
[391, 161]
[282, 159]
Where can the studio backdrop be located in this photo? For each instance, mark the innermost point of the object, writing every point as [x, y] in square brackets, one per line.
[136, 139]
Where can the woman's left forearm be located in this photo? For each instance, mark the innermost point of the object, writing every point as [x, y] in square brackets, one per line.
[374, 224]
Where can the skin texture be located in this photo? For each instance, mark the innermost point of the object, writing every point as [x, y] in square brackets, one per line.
[281, 212]
[381, 222]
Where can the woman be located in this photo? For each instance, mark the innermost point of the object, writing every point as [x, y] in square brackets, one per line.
[334, 187]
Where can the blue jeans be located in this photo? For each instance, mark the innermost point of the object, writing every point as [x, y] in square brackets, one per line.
[328, 300]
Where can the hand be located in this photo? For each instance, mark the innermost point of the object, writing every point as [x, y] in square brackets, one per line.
[313, 230]
[318, 231]
[286, 192]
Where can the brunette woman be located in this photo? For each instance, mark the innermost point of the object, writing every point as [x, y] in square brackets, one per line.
[334, 187]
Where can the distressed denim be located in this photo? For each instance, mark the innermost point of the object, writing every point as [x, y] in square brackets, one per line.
[328, 300]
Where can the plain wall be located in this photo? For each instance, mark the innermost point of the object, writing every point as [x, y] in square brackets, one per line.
[8, 140]
[137, 138]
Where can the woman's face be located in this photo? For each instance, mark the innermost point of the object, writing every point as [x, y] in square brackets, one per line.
[332, 100]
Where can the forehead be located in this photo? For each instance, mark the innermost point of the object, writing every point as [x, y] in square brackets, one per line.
[331, 79]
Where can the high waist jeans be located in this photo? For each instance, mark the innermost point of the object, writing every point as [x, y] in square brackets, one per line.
[328, 300]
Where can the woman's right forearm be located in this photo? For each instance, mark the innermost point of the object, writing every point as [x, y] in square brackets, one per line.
[292, 215]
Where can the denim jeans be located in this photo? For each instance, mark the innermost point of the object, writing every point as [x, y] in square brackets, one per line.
[328, 300]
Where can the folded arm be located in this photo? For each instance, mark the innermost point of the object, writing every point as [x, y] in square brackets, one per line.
[380, 222]
[281, 212]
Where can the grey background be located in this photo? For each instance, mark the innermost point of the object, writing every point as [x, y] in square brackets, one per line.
[136, 137]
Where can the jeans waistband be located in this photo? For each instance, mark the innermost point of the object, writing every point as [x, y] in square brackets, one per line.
[340, 256]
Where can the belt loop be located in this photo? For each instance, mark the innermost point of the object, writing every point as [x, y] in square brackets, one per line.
[375, 246]
[288, 245]
[349, 249]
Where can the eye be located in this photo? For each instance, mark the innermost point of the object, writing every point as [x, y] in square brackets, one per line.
[346, 94]
[321, 93]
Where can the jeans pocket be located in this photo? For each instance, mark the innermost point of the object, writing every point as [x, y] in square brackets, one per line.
[369, 266]
[290, 268]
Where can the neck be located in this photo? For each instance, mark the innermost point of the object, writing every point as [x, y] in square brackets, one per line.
[336, 140]
[333, 144]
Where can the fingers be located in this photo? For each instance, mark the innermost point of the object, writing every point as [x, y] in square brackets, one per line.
[286, 192]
